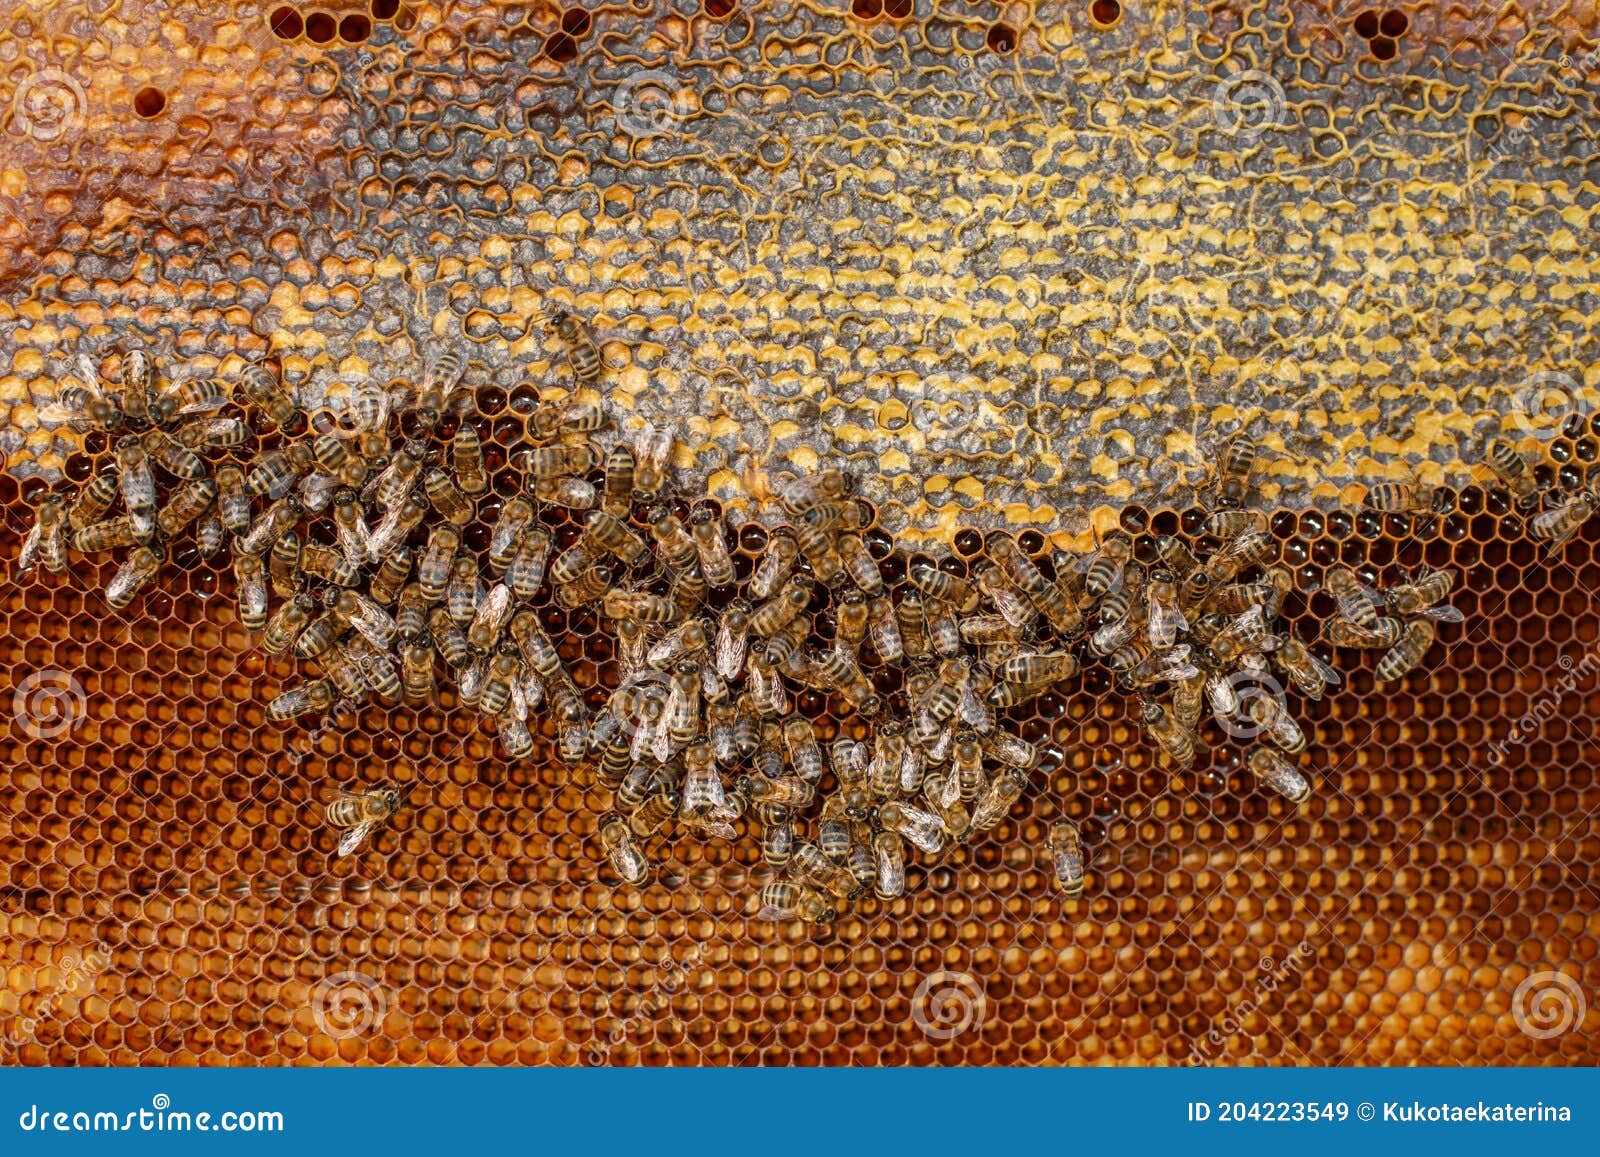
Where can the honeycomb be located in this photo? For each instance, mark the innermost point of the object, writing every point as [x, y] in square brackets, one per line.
[171, 892]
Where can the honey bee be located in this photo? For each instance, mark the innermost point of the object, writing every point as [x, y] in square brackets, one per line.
[174, 456]
[890, 865]
[1560, 523]
[394, 484]
[515, 737]
[703, 791]
[503, 671]
[941, 587]
[943, 631]
[995, 802]
[673, 541]
[1046, 597]
[617, 488]
[1271, 715]
[1178, 742]
[287, 622]
[461, 591]
[357, 813]
[284, 562]
[582, 353]
[715, 561]
[212, 434]
[416, 671]
[800, 494]
[681, 642]
[785, 901]
[233, 504]
[84, 406]
[1384, 632]
[466, 459]
[1105, 571]
[209, 535]
[265, 390]
[652, 449]
[1414, 497]
[537, 650]
[450, 639]
[1233, 523]
[138, 384]
[1306, 671]
[92, 502]
[1278, 774]
[137, 484]
[514, 520]
[45, 542]
[141, 566]
[605, 533]
[194, 396]
[549, 462]
[328, 565]
[277, 471]
[1512, 469]
[1166, 619]
[411, 611]
[352, 533]
[809, 861]
[1039, 667]
[446, 497]
[108, 535]
[1420, 596]
[187, 503]
[572, 493]
[1401, 658]
[353, 609]
[1188, 700]
[272, 524]
[571, 417]
[1238, 467]
[1236, 598]
[307, 698]
[251, 578]
[433, 400]
[317, 638]
[1357, 602]
[884, 627]
[377, 668]
[777, 562]
[1066, 854]
[625, 857]
[335, 456]
[1252, 548]
[344, 672]
[394, 526]
[778, 612]
[527, 569]
[593, 584]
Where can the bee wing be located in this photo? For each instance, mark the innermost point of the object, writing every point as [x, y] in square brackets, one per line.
[1444, 614]
[352, 838]
[1329, 676]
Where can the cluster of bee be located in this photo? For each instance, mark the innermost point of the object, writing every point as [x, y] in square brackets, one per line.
[852, 706]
